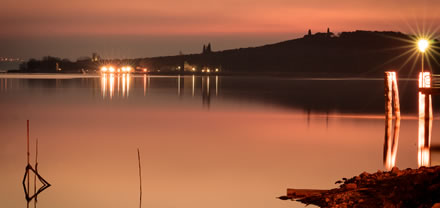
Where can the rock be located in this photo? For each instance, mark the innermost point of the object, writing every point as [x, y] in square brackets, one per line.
[350, 186]
[284, 197]
[393, 189]
[395, 170]
[364, 174]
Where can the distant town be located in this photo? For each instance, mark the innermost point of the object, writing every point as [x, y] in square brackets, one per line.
[10, 59]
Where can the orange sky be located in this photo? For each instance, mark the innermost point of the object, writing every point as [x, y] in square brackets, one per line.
[23, 20]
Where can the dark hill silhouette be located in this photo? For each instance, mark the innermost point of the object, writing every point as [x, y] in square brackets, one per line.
[359, 53]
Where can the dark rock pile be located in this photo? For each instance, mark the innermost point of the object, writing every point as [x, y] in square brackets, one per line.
[412, 188]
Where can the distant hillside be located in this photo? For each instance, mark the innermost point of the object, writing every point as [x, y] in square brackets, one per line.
[359, 53]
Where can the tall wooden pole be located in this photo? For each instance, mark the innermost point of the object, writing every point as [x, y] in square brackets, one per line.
[388, 95]
[396, 102]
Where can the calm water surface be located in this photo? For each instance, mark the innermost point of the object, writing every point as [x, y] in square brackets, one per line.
[205, 141]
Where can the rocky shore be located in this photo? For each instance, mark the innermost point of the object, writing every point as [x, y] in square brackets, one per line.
[412, 188]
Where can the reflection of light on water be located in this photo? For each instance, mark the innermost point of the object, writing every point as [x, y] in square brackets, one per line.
[119, 84]
[145, 84]
[178, 85]
[128, 84]
[425, 129]
[103, 85]
[111, 85]
[391, 143]
[123, 86]
[216, 84]
[108, 85]
[207, 85]
[193, 83]
[425, 121]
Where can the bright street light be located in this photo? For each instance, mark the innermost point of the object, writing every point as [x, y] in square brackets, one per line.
[423, 44]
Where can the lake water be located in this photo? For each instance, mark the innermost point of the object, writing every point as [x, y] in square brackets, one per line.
[204, 141]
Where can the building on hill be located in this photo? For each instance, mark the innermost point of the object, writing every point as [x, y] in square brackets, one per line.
[207, 49]
[95, 57]
[319, 35]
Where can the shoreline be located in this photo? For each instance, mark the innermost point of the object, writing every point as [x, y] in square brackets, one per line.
[391, 189]
[319, 77]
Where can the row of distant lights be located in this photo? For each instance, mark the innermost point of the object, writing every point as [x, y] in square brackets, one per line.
[208, 70]
[111, 69]
[203, 70]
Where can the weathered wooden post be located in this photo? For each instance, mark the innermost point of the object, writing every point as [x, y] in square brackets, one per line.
[391, 101]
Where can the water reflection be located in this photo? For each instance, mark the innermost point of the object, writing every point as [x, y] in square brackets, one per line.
[4, 85]
[179, 84]
[425, 129]
[111, 85]
[425, 121]
[120, 85]
[193, 83]
[391, 142]
[264, 133]
[216, 85]
[206, 94]
[145, 84]
[108, 85]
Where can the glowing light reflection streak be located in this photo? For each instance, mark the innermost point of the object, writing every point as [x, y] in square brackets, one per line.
[145, 84]
[103, 85]
[110, 81]
[178, 85]
[425, 121]
[123, 85]
[111, 85]
[193, 83]
[216, 85]
[128, 84]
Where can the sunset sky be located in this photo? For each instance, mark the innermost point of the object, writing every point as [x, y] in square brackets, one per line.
[140, 28]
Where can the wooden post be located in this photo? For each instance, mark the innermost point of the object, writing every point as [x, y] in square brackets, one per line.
[388, 95]
[391, 100]
[396, 101]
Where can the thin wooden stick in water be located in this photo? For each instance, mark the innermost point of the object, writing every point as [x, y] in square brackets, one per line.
[27, 142]
[35, 176]
[140, 179]
[28, 187]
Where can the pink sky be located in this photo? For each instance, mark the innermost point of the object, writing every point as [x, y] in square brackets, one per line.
[22, 20]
